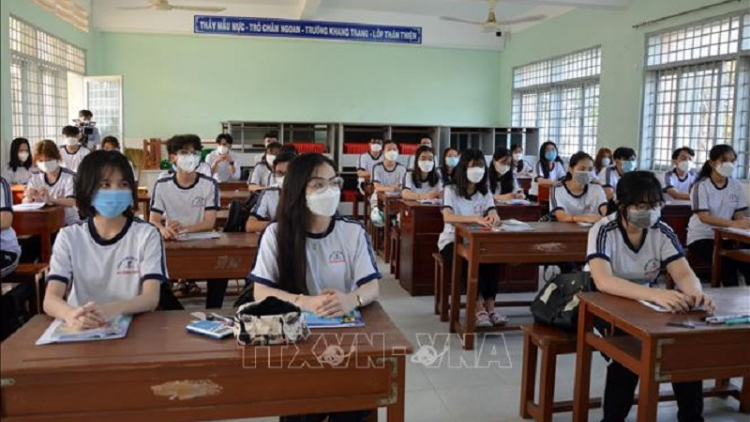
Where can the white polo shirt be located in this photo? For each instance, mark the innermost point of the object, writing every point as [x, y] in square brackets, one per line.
[107, 270]
[64, 187]
[187, 205]
[587, 203]
[203, 168]
[386, 177]
[72, 161]
[366, 161]
[265, 208]
[262, 175]
[608, 177]
[340, 259]
[608, 240]
[410, 162]
[720, 202]
[672, 180]
[408, 183]
[8, 239]
[477, 206]
[19, 176]
[557, 172]
[499, 187]
[223, 173]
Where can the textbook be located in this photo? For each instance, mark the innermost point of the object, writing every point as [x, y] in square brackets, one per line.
[353, 319]
[58, 332]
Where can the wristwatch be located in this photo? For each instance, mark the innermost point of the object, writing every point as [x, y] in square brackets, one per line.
[359, 301]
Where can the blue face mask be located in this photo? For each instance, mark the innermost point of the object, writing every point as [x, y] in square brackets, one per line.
[628, 166]
[451, 161]
[550, 155]
[110, 203]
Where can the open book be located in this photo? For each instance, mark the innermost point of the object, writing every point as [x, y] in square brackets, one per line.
[58, 332]
[353, 319]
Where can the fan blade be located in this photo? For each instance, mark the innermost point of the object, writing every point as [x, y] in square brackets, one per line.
[535, 18]
[135, 8]
[199, 8]
[450, 19]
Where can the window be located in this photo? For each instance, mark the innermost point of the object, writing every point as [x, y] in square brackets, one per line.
[560, 96]
[69, 11]
[39, 70]
[697, 91]
[103, 96]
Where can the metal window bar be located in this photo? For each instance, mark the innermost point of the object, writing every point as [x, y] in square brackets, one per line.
[577, 65]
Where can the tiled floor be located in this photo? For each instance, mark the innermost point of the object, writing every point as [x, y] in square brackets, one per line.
[450, 391]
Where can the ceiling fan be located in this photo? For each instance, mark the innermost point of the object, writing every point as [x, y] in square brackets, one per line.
[491, 23]
[164, 6]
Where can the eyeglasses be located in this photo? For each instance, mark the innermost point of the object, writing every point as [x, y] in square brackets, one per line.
[186, 152]
[280, 174]
[318, 183]
[648, 207]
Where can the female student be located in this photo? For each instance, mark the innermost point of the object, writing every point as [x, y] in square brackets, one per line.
[450, 161]
[53, 184]
[521, 167]
[677, 183]
[469, 200]
[549, 169]
[626, 251]
[320, 262]
[10, 250]
[266, 206]
[718, 200]
[609, 176]
[424, 182]
[369, 159]
[388, 175]
[72, 151]
[223, 161]
[575, 199]
[262, 175]
[503, 183]
[114, 263]
[603, 160]
[110, 143]
[424, 141]
[21, 164]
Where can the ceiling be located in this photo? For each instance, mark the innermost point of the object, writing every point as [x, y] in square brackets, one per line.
[424, 13]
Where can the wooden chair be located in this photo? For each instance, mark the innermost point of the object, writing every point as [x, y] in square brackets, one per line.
[442, 285]
[151, 154]
[34, 274]
[395, 240]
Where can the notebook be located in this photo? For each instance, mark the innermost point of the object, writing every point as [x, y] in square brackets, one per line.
[353, 319]
[59, 332]
[199, 236]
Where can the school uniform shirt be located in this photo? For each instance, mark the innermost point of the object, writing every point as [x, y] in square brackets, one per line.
[408, 183]
[366, 161]
[386, 177]
[526, 169]
[608, 177]
[222, 170]
[188, 204]
[19, 176]
[557, 172]
[262, 175]
[410, 163]
[340, 259]
[499, 187]
[446, 176]
[477, 206]
[8, 239]
[265, 208]
[71, 161]
[719, 202]
[608, 240]
[64, 187]
[101, 271]
[672, 180]
[203, 168]
[587, 203]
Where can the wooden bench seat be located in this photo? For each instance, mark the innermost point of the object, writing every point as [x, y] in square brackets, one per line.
[30, 273]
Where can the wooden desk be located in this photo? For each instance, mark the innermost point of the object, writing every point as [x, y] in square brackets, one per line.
[389, 204]
[16, 192]
[226, 197]
[743, 255]
[239, 185]
[144, 199]
[228, 257]
[44, 223]
[547, 243]
[677, 215]
[659, 353]
[525, 183]
[162, 373]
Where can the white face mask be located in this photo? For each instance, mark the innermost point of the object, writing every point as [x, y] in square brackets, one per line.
[517, 156]
[324, 202]
[23, 156]
[725, 169]
[280, 181]
[49, 166]
[270, 159]
[223, 149]
[606, 161]
[475, 174]
[501, 168]
[71, 142]
[187, 163]
[426, 166]
[376, 148]
[391, 155]
[685, 166]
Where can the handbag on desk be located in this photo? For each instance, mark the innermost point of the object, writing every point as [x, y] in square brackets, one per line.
[556, 304]
[269, 322]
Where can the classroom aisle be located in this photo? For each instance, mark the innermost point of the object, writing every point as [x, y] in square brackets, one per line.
[484, 385]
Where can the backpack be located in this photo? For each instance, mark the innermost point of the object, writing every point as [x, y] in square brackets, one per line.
[556, 304]
[239, 212]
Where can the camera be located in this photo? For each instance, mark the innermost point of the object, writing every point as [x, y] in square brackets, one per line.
[499, 34]
[87, 129]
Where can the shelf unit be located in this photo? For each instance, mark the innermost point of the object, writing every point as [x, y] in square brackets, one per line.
[248, 136]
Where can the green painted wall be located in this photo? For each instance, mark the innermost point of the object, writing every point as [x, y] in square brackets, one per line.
[622, 56]
[185, 83]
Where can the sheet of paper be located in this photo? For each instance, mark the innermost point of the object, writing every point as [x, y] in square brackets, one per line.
[28, 207]
[199, 236]
[744, 232]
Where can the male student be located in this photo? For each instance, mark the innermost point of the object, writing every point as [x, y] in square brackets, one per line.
[223, 161]
[262, 175]
[93, 139]
[265, 209]
[372, 157]
[268, 139]
[625, 162]
[71, 151]
[425, 141]
[189, 201]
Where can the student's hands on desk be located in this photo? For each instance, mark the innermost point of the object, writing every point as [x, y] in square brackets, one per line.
[85, 317]
[741, 224]
[329, 304]
[491, 220]
[677, 302]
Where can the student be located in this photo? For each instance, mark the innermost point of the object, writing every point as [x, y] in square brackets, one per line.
[93, 139]
[110, 143]
[262, 175]
[609, 176]
[424, 141]
[575, 199]
[21, 165]
[72, 151]
[268, 139]
[603, 160]
[189, 200]
[113, 263]
[626, 252]
[718, 200]
[53, 184]
[677, 183]
[10, 250]
[521, 167]
[388, 175]
[321, 262]
[265, 207]
[549, 169]
[369, 159]
[450, 161]
[468, 200]
[503, 183]
[424, 182]
[223, 161]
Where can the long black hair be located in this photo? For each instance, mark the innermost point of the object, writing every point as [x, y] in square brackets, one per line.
[14, 162]
[447, 171]
[95, 167]
[461, 179]
[574, 160]
[638, 187]
[716, 153]
[544, 162]
[506, 180]
[432, 176]
[518, 164]
[293, 219]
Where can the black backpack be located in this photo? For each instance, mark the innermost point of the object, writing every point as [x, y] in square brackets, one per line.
[239, 212]
[556, 304]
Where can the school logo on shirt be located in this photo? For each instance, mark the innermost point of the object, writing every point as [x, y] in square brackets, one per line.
[199, 202]
[128, 266]
[336, 258]
[479, 209]
[652, 268]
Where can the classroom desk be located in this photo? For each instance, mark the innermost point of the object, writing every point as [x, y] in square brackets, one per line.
[389, 204]
[144, 199]
[525, 183]
[159, 372]
[228, 257]
[226, 197]
[743, 255]
[44, 223]
[547, 243]
[660, 353]
[239, 185]
[677, 215]
[16, 192]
